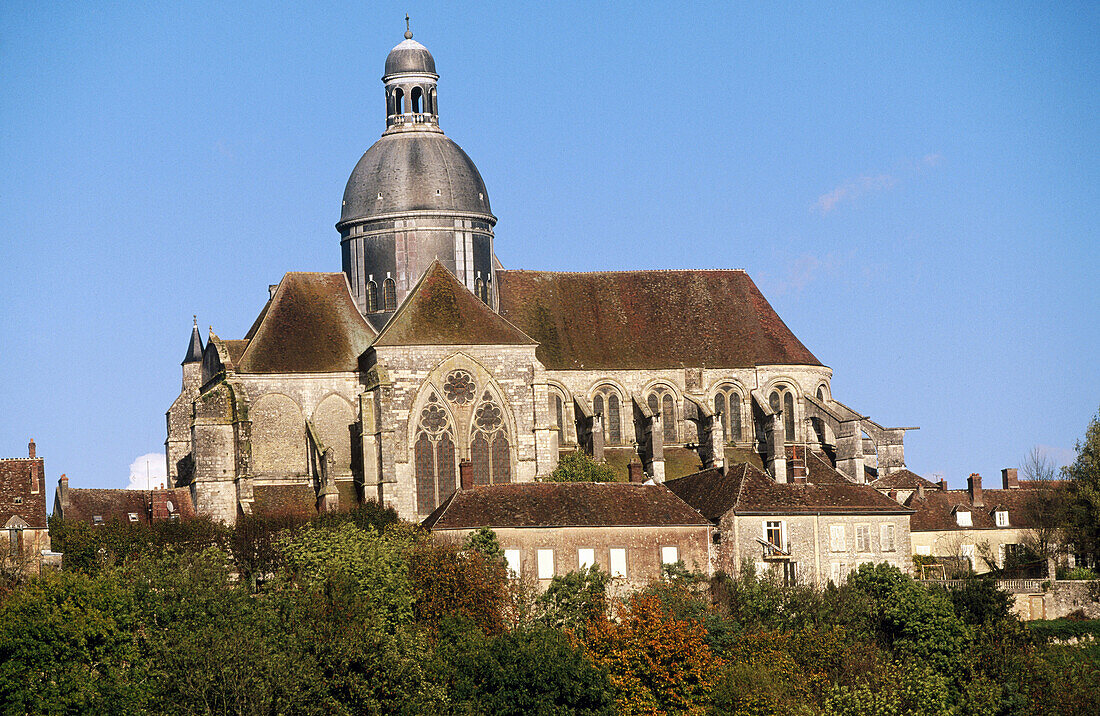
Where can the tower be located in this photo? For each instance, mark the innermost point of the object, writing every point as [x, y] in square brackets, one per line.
[177, 448]
[413, 197]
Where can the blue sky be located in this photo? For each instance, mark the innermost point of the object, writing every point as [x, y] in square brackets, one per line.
[913, 186]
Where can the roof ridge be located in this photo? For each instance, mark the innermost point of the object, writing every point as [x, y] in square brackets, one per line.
[684, 270]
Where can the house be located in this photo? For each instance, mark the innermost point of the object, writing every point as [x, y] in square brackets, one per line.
[817, 527]
[628, 529]
[100, 506]
[23, 513]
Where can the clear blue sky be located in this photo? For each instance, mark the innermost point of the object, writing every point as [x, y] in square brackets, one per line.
[913, 186]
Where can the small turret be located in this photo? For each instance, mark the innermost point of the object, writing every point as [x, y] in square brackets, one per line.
[194, 349]
[178, 445]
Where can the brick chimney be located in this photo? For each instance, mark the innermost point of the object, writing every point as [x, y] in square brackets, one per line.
[63, 493]
[466, 474]
[1009, 479]
[797, 464]
[943, 484]
[158, 505]
[637, 474]
[974, 485]
[920, 491]
[31, 452]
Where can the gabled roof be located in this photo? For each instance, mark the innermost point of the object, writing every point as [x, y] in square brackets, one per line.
[108, 505]
[936, 510]
[310, 325]
[441, 311]
[648, 319]
[743, 489]
[16, 477]
[563, 504]
[903, 480]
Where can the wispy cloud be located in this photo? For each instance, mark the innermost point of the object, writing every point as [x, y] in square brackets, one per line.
[148, 472]
[874, 182]
[801, 272]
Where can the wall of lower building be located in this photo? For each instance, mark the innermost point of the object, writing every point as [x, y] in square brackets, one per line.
[810, 544]
[643, 547]
[27, 551]
[980, 545]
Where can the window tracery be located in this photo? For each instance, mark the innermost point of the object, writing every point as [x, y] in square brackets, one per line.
[459, 387]
[782, 399]
[612, 420]
[490, 452]
[662, 403]
[434, 456]
[727, 401]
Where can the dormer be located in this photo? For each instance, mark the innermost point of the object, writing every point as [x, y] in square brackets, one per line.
[963, 518]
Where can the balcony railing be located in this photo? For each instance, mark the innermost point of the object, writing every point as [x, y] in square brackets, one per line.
[774, 552]
[397, 120]
[1012, 586]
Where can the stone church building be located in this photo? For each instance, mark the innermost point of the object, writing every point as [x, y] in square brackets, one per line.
[423, 353]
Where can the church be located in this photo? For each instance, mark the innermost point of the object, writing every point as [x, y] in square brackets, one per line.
[424, 358]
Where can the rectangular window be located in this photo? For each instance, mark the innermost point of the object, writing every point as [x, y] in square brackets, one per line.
[546, 563]
[618, 562]
[1002, 518]
[670, 555]
[133, 516]
[511, 556]
[886, 538]
[839, 572]
[968, 553]
[962, 517]
[837, 542]
[586, 557]
[773, 533]
[13, 542]
[863, 538]
[18, 500]
[923, 549]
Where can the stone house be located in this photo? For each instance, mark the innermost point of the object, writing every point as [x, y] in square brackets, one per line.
[628, 530]
[424, 352]
[23, 512]
[816, 528]
[984, 527]
[100, 506]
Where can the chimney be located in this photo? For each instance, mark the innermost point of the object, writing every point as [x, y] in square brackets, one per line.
[466, 474]
[1008, 478]
[63, 493]
[920, 491]
[31, 452]
[637, 475]
[943, 484]
[158, 505]
[974, 485]
[797, 465]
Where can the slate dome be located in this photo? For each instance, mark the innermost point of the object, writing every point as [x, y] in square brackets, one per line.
[409, 57]
[413, 171]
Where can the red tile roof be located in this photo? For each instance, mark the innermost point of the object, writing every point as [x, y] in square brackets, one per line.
[936, 510]
[648, 319]
[108, 505]
[744, 489]
[311, 325]
[903, 480]
[441, 311]
[16, 477]
[563, 504]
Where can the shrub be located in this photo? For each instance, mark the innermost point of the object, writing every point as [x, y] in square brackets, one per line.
[578, 466]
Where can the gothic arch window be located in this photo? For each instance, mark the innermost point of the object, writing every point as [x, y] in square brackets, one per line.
[434, 457]
[372, 296]
[662, 402]
[389, 294]
[821, 392]
[557, 416]
[490, 452]
[612, 416]
[727, 401]
[782, 398]
[416, 100]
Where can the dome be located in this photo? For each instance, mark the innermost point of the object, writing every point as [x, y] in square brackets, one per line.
[414, 171]
[410, 57]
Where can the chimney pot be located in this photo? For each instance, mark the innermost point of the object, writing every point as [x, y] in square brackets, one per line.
[466, 474]
[943, 484]
[1009, 479]
[31, 451]
[920, 491]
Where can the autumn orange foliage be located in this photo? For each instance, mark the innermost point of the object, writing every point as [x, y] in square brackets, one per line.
[448, 581]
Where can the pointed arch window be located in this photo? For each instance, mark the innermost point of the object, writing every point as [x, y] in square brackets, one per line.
[782, 398]
[434, 457]
[557, 416]
[389, 295]
[372, 296]
[821, 393]
[662, 402]
[728, 401]
[612, 417]
[490, 452]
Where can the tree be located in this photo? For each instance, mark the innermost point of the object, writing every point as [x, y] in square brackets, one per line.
[579, 466]
[484, 541]
[1046, 506]
[449, 582]
[576, 599]
[978, 601]
[1084, 494]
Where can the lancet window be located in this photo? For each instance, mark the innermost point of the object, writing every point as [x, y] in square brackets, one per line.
[727, 401]
[557, 416]
[389, 294]
[661, 402]
[372, 296]
[606, 403]
[434, 456]
[782, 398]
[490, 452]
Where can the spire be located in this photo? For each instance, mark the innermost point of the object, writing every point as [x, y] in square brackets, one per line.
[408, 32]
[194, 350]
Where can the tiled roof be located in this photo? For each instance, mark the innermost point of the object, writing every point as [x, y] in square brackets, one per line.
[563, 504]
[15, 482]
[903, 480]
[311, 325]
[619, 320]
[441, 311]
[86, 504]
[745, 489]
[936, 510]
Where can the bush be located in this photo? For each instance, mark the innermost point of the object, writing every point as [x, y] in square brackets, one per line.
[1062, 629]
[578, 466]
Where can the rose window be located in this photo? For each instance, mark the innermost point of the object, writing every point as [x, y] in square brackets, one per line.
[433, 418]
[488, 417]
[459, 387]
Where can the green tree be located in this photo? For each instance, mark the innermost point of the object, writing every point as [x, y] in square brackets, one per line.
[576, 599]
[1084, 490]
[484, 541]
[978, 601]
[579, 466]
